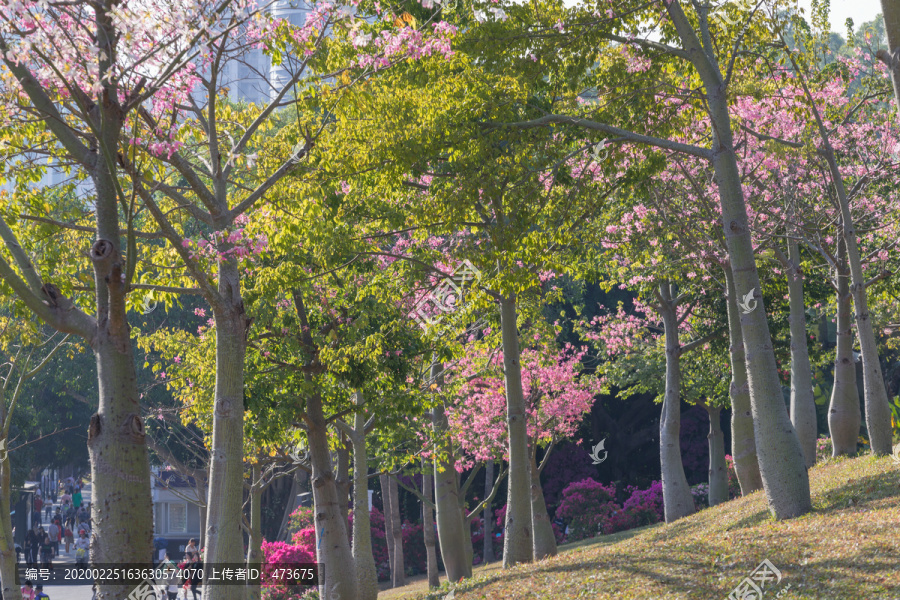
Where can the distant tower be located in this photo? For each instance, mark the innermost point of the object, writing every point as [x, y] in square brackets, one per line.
[295, 12]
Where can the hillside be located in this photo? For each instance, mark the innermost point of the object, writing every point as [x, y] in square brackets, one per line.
[848, 548]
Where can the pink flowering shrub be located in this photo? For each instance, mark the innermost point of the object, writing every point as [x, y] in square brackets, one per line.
[587, 506]
[276, 555]
[734, 486]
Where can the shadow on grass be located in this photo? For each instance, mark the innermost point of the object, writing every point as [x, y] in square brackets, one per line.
[861, 491]
[612, 538]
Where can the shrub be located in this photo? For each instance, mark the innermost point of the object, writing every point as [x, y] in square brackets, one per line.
[700, 492]
[734, 486]
[568, 463]
[824, 448]
[586, 505]
[645, 507]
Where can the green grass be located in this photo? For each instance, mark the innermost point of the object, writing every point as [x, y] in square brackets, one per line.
[848, 548]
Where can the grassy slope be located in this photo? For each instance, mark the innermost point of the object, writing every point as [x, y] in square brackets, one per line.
[848, 548]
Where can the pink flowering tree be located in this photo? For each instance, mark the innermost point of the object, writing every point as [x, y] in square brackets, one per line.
[557, 396]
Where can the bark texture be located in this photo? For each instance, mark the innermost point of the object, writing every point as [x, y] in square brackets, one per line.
[803, 403]
[388, 514]
[8, 566]
[781, 462]
[332, 541]
[488, 515]
[224, 540]
[398, 572]
[743, 441]
[429, 533]
[718, 471]
[518, 540]
[678, 501]
[366, 571]
[450, 525]
[544, 538]
[844, 417]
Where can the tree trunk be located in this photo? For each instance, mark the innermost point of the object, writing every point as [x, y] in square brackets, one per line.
[843, 413]
[224, 540]
[743, 441]
[803, 403]
[446, 495]
[518, 538]
[254, 546]
[878, 412]
[544, 538]
[366, 572]
[343, 482]
[781, 462]
[890, 10]
[677, 499]
[488, 544]
[332, 541]
[289, 507]
[398, 573]
[467, 538]
[8, 566]
[388, 523]
[718, 471]
[428, 524]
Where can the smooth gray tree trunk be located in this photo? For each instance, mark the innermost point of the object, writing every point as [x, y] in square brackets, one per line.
[429, 533]
[544, 538]
[518, 535]
[332, 541]
[398, 573]
[718, 471]
[677, 499]
[844, 417]
[343, 481]
[743, 440]
[878, 411]
[388, 523]
[488, 543]
[803, 402]
[366, 571]
[224, 540]
[780, 457]
[450, 525]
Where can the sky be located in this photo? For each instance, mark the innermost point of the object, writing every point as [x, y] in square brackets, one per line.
[858, 10]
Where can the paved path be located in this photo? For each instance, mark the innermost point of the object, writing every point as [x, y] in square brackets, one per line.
[67, 592]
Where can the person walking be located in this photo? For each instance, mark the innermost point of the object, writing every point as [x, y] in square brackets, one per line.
[40, 595]
[46, 553]
[70, 538]
[77, 498]
[82, 545]
[196, 569]
[191, 547]
[31, 546]
[53, 531]
[28, 590]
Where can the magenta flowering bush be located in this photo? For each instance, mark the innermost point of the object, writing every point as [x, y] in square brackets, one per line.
[734, 486]
[586, 506]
